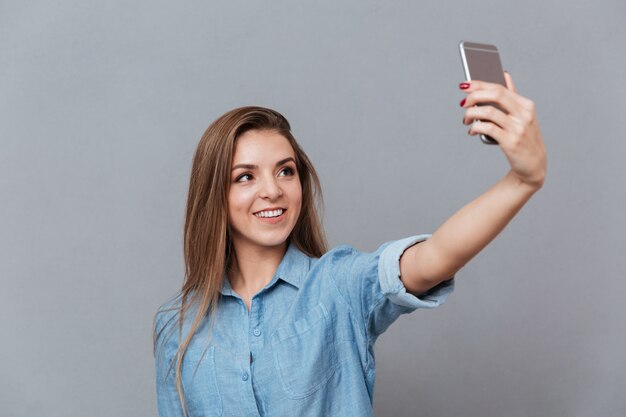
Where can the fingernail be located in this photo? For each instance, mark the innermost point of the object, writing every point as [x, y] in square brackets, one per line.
[464, 86]
[462, 102]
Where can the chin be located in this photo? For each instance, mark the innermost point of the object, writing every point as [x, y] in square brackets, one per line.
[256, 234]
[267, 240]
[278, 241]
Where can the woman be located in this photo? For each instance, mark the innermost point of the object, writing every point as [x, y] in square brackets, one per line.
[268, 321]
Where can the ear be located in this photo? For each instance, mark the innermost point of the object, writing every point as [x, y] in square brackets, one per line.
[509, 82]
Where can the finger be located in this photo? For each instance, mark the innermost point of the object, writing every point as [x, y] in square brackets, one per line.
[502, 97]
[487, 113]
[525, 102]
[487, 128]
[509, 82]
[488, 93]
[473, 85]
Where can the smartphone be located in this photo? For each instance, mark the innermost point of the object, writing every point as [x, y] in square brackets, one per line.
[481, 62]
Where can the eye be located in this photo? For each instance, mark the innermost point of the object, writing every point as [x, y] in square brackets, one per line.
[241, 176]
[289, 170]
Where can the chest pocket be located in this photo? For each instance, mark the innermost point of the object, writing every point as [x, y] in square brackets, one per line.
[305, 357]
[202, 396]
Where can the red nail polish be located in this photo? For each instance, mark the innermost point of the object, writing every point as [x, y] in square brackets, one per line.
[464, 86]
[462, 102]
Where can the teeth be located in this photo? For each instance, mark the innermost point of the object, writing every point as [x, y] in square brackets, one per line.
[272, 213]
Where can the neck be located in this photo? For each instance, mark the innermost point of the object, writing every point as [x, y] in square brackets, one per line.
[253, 266]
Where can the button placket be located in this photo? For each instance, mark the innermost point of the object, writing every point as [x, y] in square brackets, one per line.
[255, 332]
[255, 320]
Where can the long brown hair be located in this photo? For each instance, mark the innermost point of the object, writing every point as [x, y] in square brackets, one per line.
[207, 244]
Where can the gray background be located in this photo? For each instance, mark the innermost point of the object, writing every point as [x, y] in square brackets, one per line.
[103, 104]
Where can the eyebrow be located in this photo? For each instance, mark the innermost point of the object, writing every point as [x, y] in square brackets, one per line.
[250, 166]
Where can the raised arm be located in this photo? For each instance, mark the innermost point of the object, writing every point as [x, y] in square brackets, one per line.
[468, 231]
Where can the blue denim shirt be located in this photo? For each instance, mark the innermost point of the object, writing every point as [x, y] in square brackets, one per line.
[306, 348]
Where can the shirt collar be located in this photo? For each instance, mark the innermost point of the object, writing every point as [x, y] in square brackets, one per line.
[292, 269]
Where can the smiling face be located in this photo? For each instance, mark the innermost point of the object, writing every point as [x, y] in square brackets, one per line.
[268, 181]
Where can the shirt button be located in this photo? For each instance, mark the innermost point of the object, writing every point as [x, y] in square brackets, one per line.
[256, 332]
[244, 376]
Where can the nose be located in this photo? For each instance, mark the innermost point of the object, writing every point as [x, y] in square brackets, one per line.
[269, 188]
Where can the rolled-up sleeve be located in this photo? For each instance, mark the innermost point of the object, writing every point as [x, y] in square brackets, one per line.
[392, 286]
[371, 284]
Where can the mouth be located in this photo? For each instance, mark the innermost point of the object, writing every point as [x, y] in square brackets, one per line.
[271, 216]
[270, 213]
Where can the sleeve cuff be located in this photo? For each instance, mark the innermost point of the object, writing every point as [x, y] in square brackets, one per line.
[393, 288]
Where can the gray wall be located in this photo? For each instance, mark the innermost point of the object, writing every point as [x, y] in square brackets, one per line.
[102, 105]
